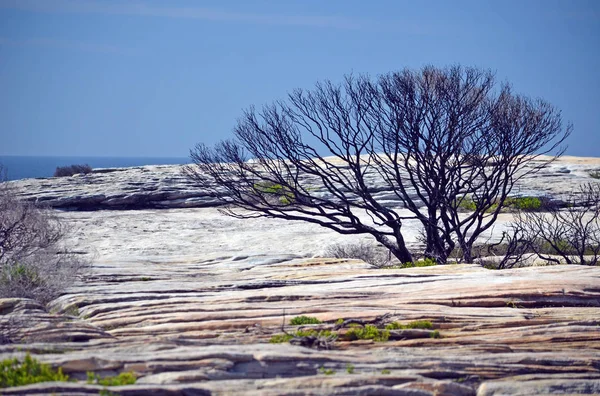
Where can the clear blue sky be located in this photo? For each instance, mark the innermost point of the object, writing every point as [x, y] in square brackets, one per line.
[152, 78]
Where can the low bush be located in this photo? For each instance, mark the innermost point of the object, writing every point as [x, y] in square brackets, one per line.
[525, 203]
[366, 252]
[281, 338]
[121, 379]
[418, 324]
[304, 320]
[326, 371]
[426, 262]
[595, 174]
[29, 371]
[568, 235]
[34, 263]
[369, 332]
[270, 191]
[71, 170]
[465, 203]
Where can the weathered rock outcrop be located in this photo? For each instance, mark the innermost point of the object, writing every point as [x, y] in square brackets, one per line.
[204, 328]
[188, 300]
[164, 186]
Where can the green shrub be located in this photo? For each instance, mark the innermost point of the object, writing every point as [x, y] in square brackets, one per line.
[418, 324]
[523, 203]
[426, 262]
[350, 368]
[72, 170]
[29, 371]
[325, 371]
[73, 310]
[435, 334]
[121, 379]
[20, 274]
[282, 193]
[595, 174]
[465, 203]
[510, 203]
[281, 338]
[304, 320]
[385, 371]
[369, 332]
[34, 262]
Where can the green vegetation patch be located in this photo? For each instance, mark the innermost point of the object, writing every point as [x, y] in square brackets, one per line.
[281, 338]
[418, 324]
[510, 204]
[465, 203]
[304, 320]
[282, 193]
[369, 332]
[18, 273]
[523, 203]
[426, 262]
[326, 371]
[121, 379]
[30, 371]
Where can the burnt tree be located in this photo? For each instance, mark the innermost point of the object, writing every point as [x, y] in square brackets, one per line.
[432, 138]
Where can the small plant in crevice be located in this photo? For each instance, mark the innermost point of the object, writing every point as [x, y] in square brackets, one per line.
[435, 334]
[127, 378]
[350, 368]
[304, 320]
[326, 371]
[513, 304]
[385, 371]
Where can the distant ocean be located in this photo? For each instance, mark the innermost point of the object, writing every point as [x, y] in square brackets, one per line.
[22, 167]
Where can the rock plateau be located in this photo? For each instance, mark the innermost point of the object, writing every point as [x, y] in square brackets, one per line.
[188, 299]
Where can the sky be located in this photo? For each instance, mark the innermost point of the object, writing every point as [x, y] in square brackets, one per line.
[153, 78]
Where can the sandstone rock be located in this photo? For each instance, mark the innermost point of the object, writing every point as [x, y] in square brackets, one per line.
[188, 300]
[164, 186]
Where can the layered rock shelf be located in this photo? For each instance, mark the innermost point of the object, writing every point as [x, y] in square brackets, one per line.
[164, 186]
[188, 300]
[204, 328]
